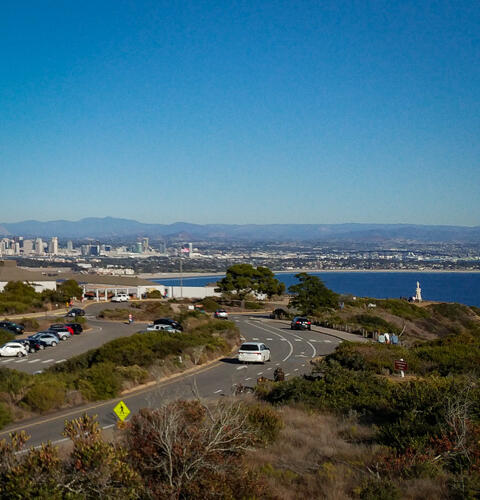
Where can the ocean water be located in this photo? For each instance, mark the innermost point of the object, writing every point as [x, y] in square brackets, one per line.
[444, 287]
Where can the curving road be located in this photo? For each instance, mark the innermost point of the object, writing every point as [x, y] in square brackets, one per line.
[290, 350]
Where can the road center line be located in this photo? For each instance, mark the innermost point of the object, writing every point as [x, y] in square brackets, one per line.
[48, 360]
[34, 361]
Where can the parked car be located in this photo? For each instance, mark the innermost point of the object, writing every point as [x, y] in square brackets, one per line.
[13, 349]
[121, 297]
[300, 323]
[162, 328]
[77, 328]
[12, 327]
[32, 345]
[62, 333]
[168, 321]
[75, 312]
[61, 326]
[220, 314]
[253, 352]
[50, 339]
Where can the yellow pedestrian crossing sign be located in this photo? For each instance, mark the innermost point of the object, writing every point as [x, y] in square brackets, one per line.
[121, 411]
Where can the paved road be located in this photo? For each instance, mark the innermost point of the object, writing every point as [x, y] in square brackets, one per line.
[291, 350]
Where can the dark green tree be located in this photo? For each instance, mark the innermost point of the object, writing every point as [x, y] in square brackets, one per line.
[69, 289]
[311, 295]
[244, 279]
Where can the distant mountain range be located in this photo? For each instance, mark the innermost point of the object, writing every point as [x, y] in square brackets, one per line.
[109, 227]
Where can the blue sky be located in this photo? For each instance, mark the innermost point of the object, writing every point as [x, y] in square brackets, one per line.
[241, 112]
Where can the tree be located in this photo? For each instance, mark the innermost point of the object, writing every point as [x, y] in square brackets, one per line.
[69, 289]
[311, 295]
[244, 279]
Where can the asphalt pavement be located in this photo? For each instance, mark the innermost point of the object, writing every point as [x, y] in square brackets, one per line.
[290, 350]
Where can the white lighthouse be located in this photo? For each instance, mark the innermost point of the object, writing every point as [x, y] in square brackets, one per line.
[418, 293]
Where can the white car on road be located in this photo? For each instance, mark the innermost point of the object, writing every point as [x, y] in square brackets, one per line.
[162, 328]
[253, 352]
[13, 349]
[121, 297]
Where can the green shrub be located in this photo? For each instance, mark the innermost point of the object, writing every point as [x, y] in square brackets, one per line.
[403, 309]
[115, 314]
[266, 421]
[14, 382]
[154, 294]
[253, 305]
[5, 415]
[45, 394]
[210, 305]
[30, 324]
[375, 323]
[6, 336]
[379, 489]
[103, 382]
[133, 373]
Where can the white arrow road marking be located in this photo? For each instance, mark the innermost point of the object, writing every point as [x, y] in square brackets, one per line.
[48, 361]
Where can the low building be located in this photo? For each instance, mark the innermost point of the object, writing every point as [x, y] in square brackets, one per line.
[40, 281]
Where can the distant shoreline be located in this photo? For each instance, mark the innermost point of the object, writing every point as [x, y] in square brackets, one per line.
[174, 275]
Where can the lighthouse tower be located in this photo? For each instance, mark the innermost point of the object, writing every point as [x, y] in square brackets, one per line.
[418, 293]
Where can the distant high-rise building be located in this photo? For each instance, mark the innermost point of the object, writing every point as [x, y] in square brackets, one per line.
[27, 247]
[70, 246]
[145, 245]
[17, 248]
[53, 246]
[39, 246]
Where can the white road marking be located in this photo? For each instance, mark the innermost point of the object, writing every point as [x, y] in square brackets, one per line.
[255, 338]
[241, 368]
[242, 338]
[21, 361]
[34, 361]
[219, 390]
[269, 339]
[303, 365]
[298, 340]
[48, 361]
[301, 356]
[7, 361]
[278, 335]
[248, 378]
[287, 374]
[295, 370]
[328, 341]
[315, 340]
[260, 373]
[268, 369]
[108, 426]
[277, 364]
[60, 361]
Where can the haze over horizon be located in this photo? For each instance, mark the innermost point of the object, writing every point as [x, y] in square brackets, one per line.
[237, 113]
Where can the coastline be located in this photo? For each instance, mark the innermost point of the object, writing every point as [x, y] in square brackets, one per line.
[174, 275]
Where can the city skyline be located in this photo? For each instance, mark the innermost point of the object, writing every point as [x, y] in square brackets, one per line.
[205, 112]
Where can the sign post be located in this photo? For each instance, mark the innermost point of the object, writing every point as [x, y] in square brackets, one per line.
[401, 365]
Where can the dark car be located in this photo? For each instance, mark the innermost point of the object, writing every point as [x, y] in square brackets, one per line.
[168, 321]
[12, 327]
[61, 327]
[32, 345]
[300, 323]
[76, 327]
[75, 312]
